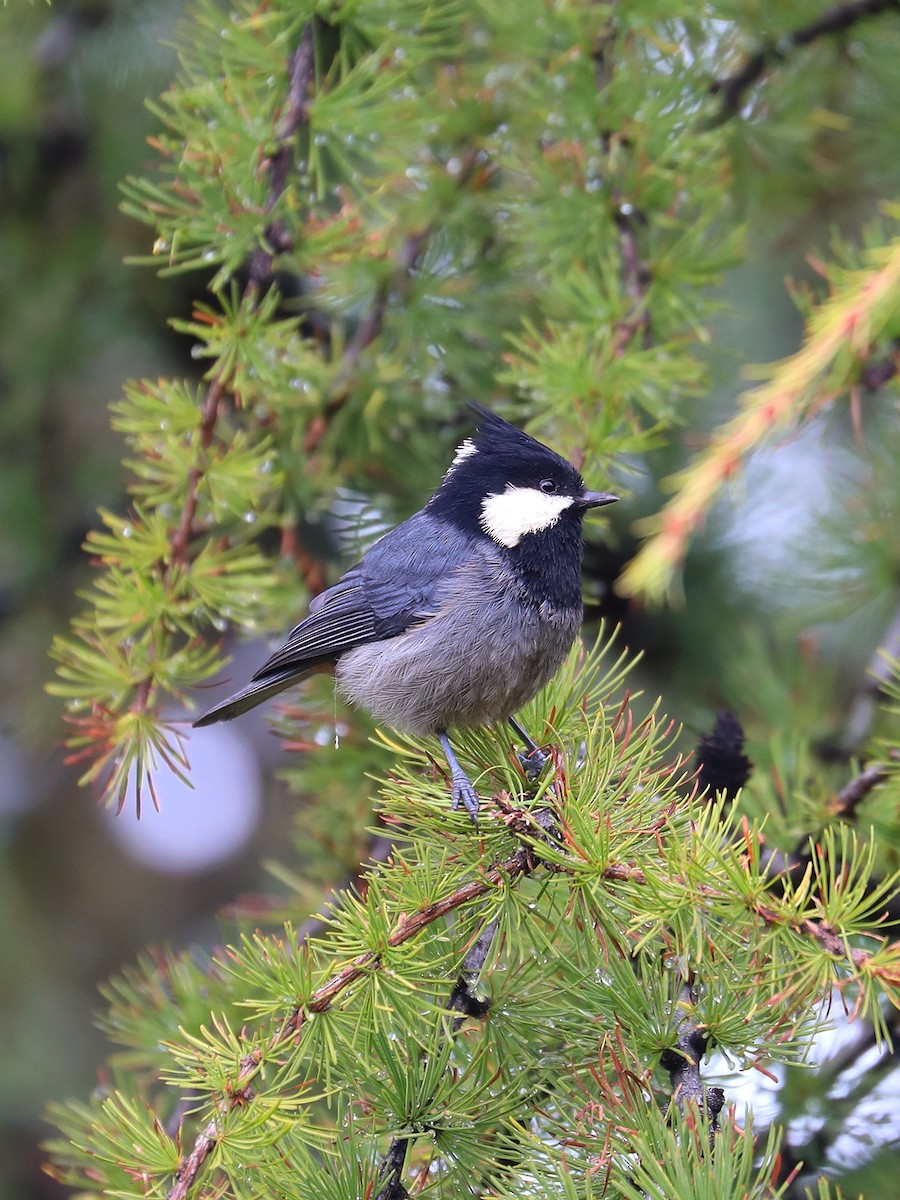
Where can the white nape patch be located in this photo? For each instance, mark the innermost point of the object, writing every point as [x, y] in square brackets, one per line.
[466, 450]
[507, 517]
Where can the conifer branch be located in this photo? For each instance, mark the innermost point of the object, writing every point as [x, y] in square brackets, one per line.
[396, 286]
[853, 793]
[732, 88]
[183, 533]
[842, 328]
[301, 75]
[463, 1001]
[523, 862]
[635, 276]
[106, 745]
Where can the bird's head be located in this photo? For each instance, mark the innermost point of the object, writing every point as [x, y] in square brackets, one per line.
[511, 486]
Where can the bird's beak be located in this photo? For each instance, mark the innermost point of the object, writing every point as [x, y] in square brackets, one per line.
[596, 499]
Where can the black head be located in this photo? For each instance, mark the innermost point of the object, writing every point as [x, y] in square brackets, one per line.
[512, 488]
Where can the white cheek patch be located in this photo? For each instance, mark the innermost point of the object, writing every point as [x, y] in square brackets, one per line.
[508, 516]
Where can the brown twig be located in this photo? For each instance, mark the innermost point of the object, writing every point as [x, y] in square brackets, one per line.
[181, 537]
[311, 569]
[635, 274]
[301, 76]
[853, 793]
[635, 278]
[732, 88]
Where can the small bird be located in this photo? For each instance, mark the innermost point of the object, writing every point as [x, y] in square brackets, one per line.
[463, 612]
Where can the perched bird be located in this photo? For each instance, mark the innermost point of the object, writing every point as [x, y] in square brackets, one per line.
[461, 614]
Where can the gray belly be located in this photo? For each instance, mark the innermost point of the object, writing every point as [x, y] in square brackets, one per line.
[468, 664]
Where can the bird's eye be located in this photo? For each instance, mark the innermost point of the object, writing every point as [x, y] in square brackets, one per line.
[548, 485]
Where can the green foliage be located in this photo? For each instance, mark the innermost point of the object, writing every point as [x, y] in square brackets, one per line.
[404, 206]
[636, 886]
[416, 213]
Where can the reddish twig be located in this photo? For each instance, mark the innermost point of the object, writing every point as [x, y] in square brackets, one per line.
[181, 537]
[301, 76]
[311, 569]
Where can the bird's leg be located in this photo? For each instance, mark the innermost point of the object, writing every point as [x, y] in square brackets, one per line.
[534, 759]
[463, 792]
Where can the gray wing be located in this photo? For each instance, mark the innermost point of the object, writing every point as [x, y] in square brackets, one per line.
[389, 591]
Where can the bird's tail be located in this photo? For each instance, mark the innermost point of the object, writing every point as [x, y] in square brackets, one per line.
[248, 697]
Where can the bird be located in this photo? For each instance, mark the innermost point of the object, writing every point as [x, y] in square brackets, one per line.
[458, 616]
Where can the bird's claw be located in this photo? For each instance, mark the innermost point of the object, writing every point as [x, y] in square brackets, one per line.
[533, 762]
[464, 794]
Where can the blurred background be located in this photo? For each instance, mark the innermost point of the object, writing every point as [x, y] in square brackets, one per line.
[795, 577]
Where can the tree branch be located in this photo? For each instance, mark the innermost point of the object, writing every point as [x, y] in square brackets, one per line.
[852, 317]
[522, 862]
[853, 793]
[391, 1171]
[464, 1001]
[865, 702]
[301, 76]
[732, 88]
[683, 1061]
[542, 826]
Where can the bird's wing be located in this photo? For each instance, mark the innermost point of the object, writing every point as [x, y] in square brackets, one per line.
[339, 619]
[392, 589]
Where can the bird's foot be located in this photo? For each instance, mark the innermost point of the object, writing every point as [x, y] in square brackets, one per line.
[533, 762]
[462, 791]
[532, 758]
[463, 794]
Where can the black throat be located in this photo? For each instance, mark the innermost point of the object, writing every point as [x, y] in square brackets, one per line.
[549, 564]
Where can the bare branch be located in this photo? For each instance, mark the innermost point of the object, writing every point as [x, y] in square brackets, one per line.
[683, 1061]
[865, 702]
[852, 794]
[732, 88]
[391, 1170]
[301, 76]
